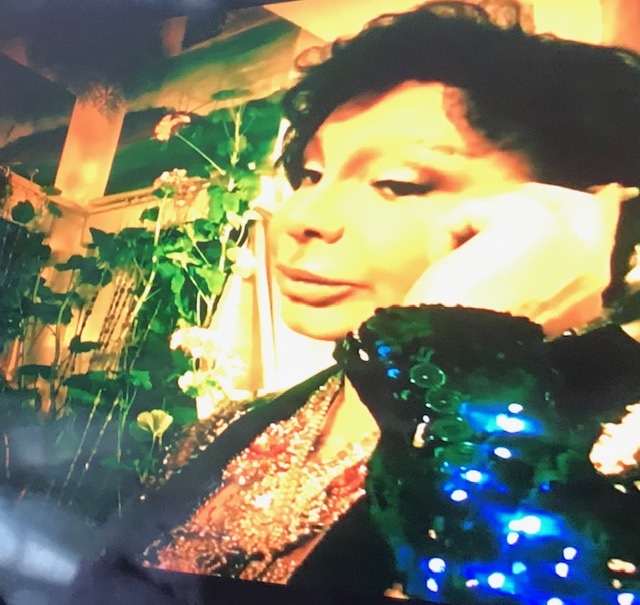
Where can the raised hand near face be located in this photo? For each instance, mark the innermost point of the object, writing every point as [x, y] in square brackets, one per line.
[540, 251]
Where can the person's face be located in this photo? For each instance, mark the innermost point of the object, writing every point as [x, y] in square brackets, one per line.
[381, 175]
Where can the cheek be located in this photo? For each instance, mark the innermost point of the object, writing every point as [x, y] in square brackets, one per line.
[401, 251]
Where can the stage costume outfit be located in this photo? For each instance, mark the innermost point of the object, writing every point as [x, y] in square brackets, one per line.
[477, 489]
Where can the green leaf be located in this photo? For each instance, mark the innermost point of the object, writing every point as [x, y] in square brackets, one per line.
[91, 274]
[75, 299]
[223, 148]
[46, 294]
[139, 434]
[139, 378]
[229, 93]
[182, 259]
[150, 214]
[23, 212]
[54, 209]
[158, 326]
[47, 313]
[231, 202]
[51, 190]
[213, 277]
[164, 191]
[90, 382]
[34, 369]
[77, 346]
[248, 185]
[204, 230]
[177, 283]
[112, 461]
[80, 395]
[107, 277]
[73, 263]
[66, 316]
[183, 415]
[107, 245]
[216, 206]
[99, 237]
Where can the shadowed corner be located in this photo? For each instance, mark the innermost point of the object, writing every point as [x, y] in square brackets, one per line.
[40, 550]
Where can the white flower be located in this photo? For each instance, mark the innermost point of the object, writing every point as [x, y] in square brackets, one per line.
[209, 403]
[244, 262]
[198, 342]
[221, 377]
[186, 381]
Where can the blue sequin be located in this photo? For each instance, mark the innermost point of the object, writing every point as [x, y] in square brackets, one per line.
[384, 350]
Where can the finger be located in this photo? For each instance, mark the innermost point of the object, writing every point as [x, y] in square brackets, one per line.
[515, 209]
[592, 216]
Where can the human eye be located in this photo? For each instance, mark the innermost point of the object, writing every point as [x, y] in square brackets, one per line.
[391, 188]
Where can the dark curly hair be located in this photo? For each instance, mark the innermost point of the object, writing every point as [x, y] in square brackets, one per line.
[572, 109]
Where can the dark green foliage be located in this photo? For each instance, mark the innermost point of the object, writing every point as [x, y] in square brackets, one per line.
[23, 212]
[88, 397]
[23, 254]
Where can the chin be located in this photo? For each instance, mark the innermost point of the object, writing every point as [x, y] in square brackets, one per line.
[328, 323]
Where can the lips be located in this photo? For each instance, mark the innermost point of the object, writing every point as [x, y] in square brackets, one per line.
[309, 288]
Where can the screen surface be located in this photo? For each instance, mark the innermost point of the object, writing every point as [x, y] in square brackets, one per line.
[288, 321]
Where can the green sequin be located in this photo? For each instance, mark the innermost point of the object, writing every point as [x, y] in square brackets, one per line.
[427, 376]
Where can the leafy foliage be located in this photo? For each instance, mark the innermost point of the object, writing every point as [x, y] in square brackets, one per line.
[116, 409]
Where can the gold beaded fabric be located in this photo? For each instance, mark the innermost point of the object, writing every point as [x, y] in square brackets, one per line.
[277, 500]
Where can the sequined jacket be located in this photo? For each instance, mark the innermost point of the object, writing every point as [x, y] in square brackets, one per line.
[595, 376]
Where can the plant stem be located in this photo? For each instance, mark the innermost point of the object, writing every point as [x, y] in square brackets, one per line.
[7, 465]
[53, 388]
[195, 247]
[237, 120]
[152, 276]
[223, 256]
[72, 466]
[211, 307]
[222, 171]
[94, 449]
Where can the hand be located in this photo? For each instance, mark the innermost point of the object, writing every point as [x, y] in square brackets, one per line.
[540, 251]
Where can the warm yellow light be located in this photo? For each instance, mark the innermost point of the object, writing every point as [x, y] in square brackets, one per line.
[88, 152]
[580, 21]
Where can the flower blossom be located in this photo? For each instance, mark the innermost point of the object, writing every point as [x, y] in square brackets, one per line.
[174, 178]
[177, 185]
[218, 381]
[244, 262]
[155, 422]
[169, 125]
[198, 342]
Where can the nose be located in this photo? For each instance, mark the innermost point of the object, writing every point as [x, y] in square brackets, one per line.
[313, 213]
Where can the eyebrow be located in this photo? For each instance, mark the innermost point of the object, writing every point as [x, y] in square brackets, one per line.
[371, 151]
[377, 149]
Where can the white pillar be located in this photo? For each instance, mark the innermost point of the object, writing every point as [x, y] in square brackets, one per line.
[89, 149]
